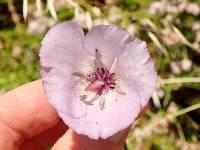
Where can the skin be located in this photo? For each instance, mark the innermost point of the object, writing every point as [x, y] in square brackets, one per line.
[29, 122]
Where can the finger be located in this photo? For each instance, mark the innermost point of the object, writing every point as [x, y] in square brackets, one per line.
[72, 141]
[26, 112]
[46, 138]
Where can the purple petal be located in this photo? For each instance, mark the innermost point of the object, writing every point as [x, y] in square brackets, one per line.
[61, 54]
[136, 66]
[110, 40]
[118, 114]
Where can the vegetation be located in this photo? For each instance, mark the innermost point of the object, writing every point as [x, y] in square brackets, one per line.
[171, 29]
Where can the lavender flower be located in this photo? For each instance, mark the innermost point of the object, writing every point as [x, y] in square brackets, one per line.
[98, 83]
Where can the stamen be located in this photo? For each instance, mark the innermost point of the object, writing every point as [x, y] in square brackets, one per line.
[90, 99]
[78, 74]
[93, 87]
[91, 77]
[102, 103]
[114, 64]
[98, 61]
[120, 91]
[83, 97]
[105, 75]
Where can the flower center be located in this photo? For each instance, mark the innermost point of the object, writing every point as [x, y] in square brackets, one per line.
[101, 81]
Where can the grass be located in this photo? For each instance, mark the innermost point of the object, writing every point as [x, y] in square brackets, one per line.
[19, 64]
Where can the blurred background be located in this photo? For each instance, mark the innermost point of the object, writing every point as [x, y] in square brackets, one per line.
[171, 29]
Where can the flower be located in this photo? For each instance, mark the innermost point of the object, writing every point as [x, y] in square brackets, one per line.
[196, 26]
[186, 64]
[98, 83]
[169, 37]
[193, 8]
[157, 8]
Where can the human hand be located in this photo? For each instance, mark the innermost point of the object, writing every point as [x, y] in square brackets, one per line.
[29, 122]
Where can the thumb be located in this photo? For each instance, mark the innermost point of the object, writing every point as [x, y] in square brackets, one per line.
[73, 141]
